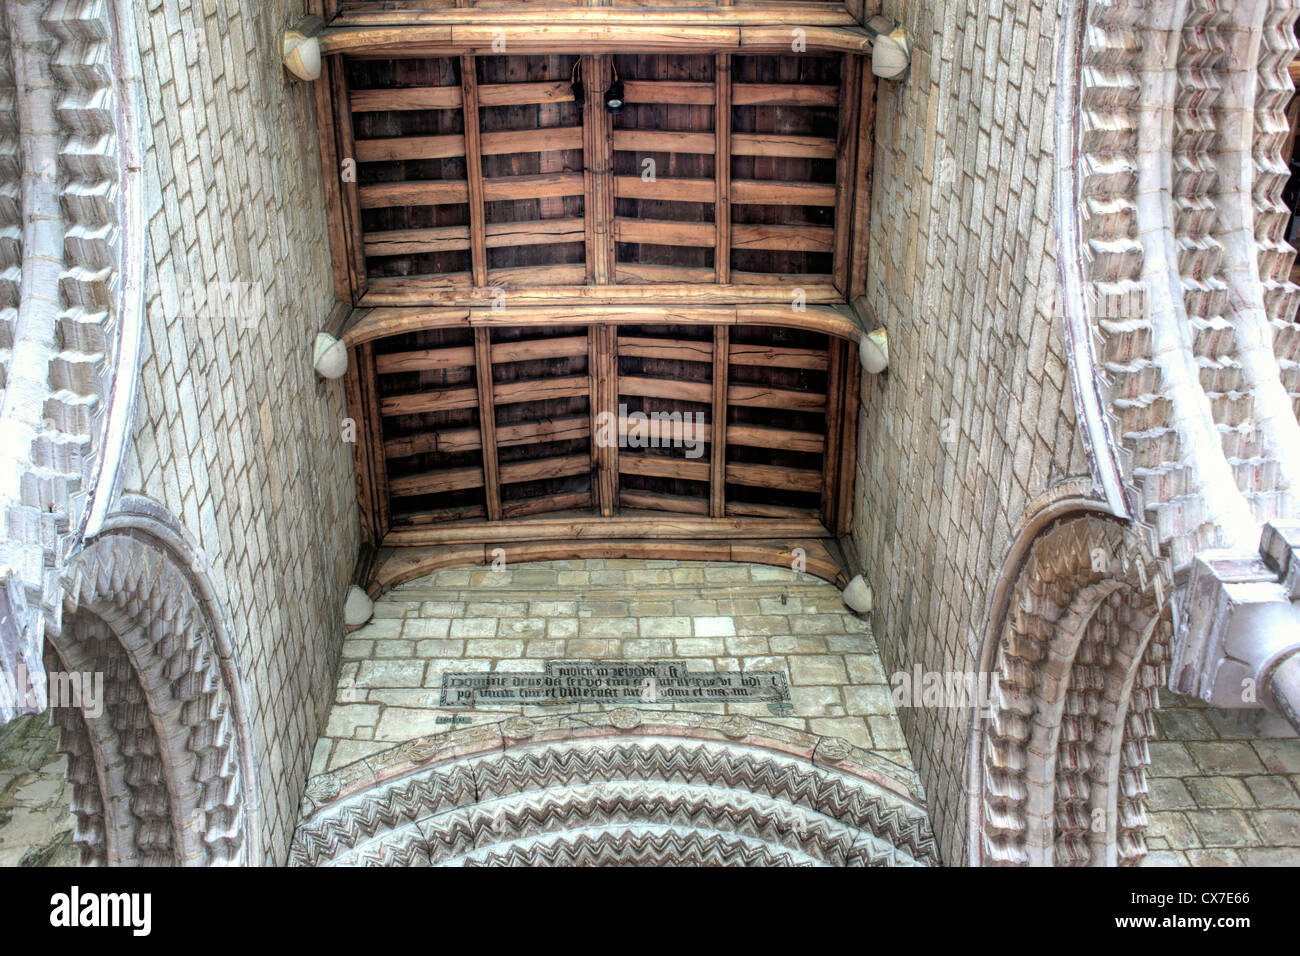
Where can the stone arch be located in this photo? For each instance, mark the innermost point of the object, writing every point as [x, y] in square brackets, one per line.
[161, 775]
[1080, 648]
[615, 789]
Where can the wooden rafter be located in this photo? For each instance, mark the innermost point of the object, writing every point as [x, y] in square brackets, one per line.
[718, 423]
[474, 172]
[487, 422]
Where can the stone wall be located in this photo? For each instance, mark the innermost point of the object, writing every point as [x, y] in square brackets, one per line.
[235, 435]
[974, 418]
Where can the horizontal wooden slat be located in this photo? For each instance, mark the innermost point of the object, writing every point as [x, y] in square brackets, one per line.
[412, 98]
[408, 242]
[447, 399]
[661, 433]
[686, 350]
[562, 347]
[758, 436]
[763, 192]
[409, 147]
[509, 393]
[663, 232]
[529, 277]
[657, 501]
[425, 193]
[665, 388]
[662, 188]
[774, 476]
[540, 186]
[772, 144]
[532, 140]
[779, 355]
[785, 238]
[439, 515]
[524, 507]
[424, 359]
[651, 466]
[655, 141]
[658, 526]
[542, 468]
[534, 232]
[638, 273]
[453, 441]
[783, 94]
[436, 482]
[524, 94]
[760, 510]
[550, 429]
[760, 396]
[668, 91]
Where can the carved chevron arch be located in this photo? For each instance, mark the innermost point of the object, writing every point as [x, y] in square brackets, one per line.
[1179, 315]
[621, 788]
[72, 267]
[163, 775]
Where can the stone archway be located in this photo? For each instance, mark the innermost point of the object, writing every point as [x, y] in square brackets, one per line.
[159, 774]
[1079, 659]
[616, 789]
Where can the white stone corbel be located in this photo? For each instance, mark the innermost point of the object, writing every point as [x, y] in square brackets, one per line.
[874, 351]
[301, 47]
[358, 607]
[891, 53]
[857, 595]
[329, 356]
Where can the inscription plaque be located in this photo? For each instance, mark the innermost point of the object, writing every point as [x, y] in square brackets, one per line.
[611, 682]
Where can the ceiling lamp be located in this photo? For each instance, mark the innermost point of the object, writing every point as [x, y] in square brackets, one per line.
[575, 84]
[614, 95]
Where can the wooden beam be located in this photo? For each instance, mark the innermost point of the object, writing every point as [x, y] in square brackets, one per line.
[834, 432]
[412, 98]
[665, 232]
[701, 392]
[546, 139]
[861, 223]
[680, 350]
[535, 186]
[540, 469]
[392, 149]
[660, 141]
[664, 188]
[350, 206]
[848, 441]
[603, 363]
[477, 194]
[436, 482]
[718, 423]
[367, 507]
[331, 169]
[537, 232]
[659, 501]
[405, 242]
[761, 436]
[764, 192]
[782, 237]
[452, 441]
[570, 386]
[656, 526]
[431, 192]
[722, 172]
[774, 476]
[439, 400]
[656, 466]
[524, 94]
[423, 360]
[773, 144]
[534, 277]
[668, 91]
[768, 14]
[529, 350]
[784, 94]
[487, 421]
[846, 167]
[779, 355]
[641, 273]
[762, 396]
[373, 431]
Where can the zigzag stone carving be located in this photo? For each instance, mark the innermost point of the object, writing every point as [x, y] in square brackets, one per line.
[675, 789]
[157, 778]
[71, 299]
[1079, 662]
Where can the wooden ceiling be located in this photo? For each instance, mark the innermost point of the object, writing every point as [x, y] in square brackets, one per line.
[720, 215]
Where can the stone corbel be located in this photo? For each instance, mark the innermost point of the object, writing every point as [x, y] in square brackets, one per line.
[301, 47]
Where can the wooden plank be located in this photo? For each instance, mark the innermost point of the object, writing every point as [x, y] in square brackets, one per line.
[765, 510]
[681, 350]
[350, 205]
[416, 193]
[367, 507]
[525, 507]
[774, 476]
[664, 232]
[510, 393]
[848, 442]
[764, 192]
[366, 325]
[861, 223]
[453, 441]
[546, 430]
[659, 432]
[834, 426]
[531, 277]
[652, 466]
[722, 174]
[761, 436]
[664, 188]
[532, 140]
[603, 363]
[701, 392]
[437, 515]
[784, 94]
[436, 482]
[656, 141]
[639, 273]
[487, 421]
[761, 396]
[565, 528]
[540, 469]
[524, 94]
[536, 186]
[411, 98]
[429, 13]
[668, 91]
[374, 433]
[422, 360]
[779, 355]
[391, 149]
[441, 400]
[846, 167]
[474, 176]
[532, 349]
[404, 242]
[331, 171]
[658, 501]
[773, 144]
[718, 423]
[536, 232]
[786, 238]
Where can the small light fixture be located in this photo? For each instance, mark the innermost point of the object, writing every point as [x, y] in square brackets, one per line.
[614, 95]
[575, 84]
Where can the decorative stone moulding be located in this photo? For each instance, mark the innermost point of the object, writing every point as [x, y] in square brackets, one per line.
[71, 303]
[628, 787]
[1179, 311]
